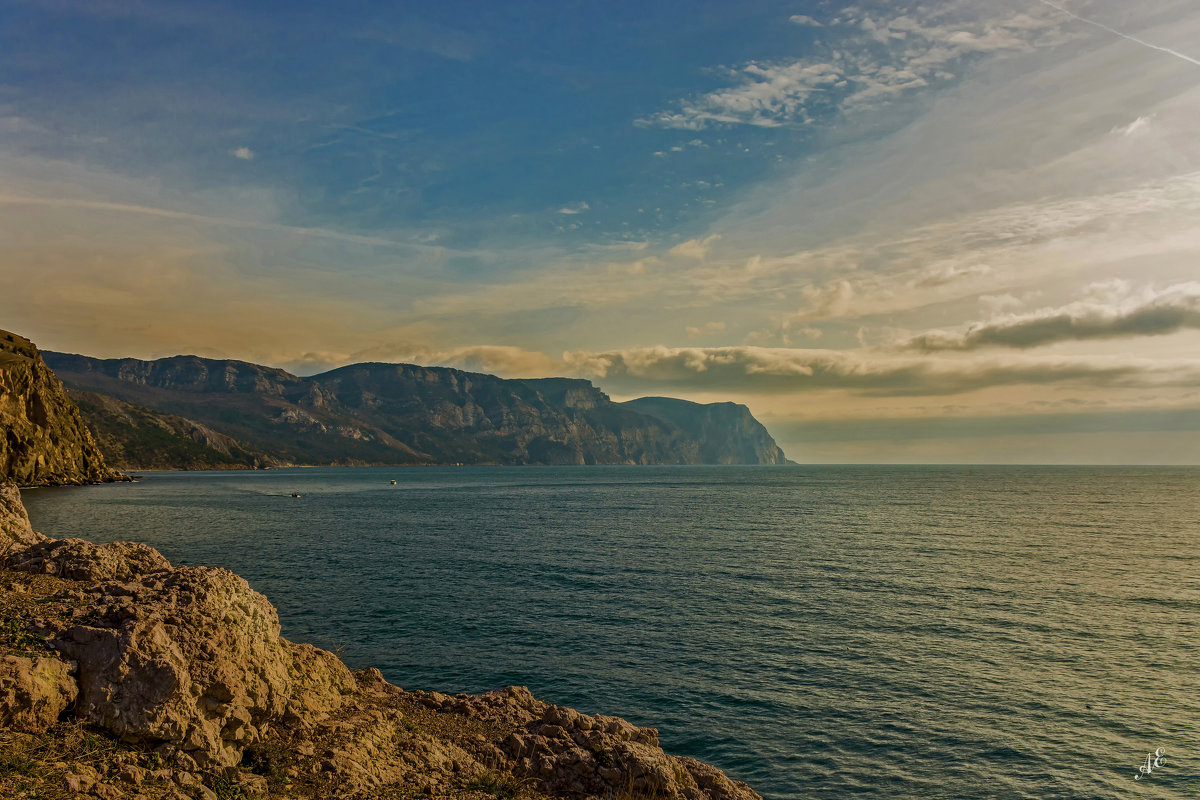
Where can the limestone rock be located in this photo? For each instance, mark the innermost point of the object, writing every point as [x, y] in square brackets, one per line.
[81, 560]
[188, 661]
[34, 692]
[15, 530]
[45, 441]
[192, 657]
[567, 752]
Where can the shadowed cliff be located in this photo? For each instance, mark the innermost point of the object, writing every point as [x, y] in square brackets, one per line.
[727, 433]
[233, 413]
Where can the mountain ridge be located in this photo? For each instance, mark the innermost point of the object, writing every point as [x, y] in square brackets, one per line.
[383, 413]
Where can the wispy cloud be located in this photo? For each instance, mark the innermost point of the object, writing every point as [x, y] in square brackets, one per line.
[205, 219]
[1122, 34]
[805, 20]
[877, 58]
[244, 153]
[414, 34]
[697, 249]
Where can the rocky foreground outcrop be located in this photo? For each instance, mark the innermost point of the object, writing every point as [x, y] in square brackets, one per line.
[185, 688]
[44, 441]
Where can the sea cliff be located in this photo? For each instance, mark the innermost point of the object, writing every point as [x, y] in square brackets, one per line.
[44, 441]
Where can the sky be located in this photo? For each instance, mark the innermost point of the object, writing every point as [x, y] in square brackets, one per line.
[958, 231]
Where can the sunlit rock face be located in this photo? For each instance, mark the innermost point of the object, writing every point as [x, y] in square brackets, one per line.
[45, 441]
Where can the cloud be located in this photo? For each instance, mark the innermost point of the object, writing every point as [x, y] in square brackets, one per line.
[244, 153]
[1122, 34]
[991, 252]
[574, 208]
[1138, 126]
[804, 19]
[708, 328]
[500, 360]
[785, 370]
[997, 303]
[1149, 313]
[766, 95]
[876, 59]
[420, 36]
[84, 204]
[503, 360]
[695, 248]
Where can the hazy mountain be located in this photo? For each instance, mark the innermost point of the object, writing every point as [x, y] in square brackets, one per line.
[400, 414]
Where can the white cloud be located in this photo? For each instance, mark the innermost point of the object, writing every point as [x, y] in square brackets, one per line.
[696, 249]
[766, 95]
[999, 303]
[244, 153]
[574, 208]
[1138, 126]
[919, 49]
[804, 19]
[694, 332]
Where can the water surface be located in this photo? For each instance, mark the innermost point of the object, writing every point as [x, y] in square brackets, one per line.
[820, 632]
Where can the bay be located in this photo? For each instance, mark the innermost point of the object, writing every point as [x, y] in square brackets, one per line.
[820, 632]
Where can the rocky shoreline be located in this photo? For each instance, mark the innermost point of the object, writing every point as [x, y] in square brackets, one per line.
[122, 676]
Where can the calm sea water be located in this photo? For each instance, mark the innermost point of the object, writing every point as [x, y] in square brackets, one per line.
[821, 632]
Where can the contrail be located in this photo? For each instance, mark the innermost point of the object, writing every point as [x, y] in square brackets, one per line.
[1116, 32]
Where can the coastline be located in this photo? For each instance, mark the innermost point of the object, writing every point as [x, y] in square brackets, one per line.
[181, 676]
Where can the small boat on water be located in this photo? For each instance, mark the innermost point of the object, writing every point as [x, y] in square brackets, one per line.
[295, 494]
[393, 483]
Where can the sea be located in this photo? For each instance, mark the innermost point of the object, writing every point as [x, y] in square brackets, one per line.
[817, 631]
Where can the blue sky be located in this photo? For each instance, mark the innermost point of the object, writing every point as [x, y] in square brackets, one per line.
[938, 228]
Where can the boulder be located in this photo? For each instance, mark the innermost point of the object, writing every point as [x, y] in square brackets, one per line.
[15, 531]
[34, 692]
[80, 560]
[570, 753]
[191, 658]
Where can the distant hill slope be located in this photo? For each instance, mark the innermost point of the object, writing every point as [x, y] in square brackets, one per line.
[133, 438]
[43, 440]
[395, 414]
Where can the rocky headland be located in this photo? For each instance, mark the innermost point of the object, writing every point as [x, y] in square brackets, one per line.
[122, 676]
[189, 412]
[44, 439]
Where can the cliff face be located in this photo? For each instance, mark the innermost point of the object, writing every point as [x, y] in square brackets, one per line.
[406, 414]
[44, 440]
[188, 687]
[727, 433]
